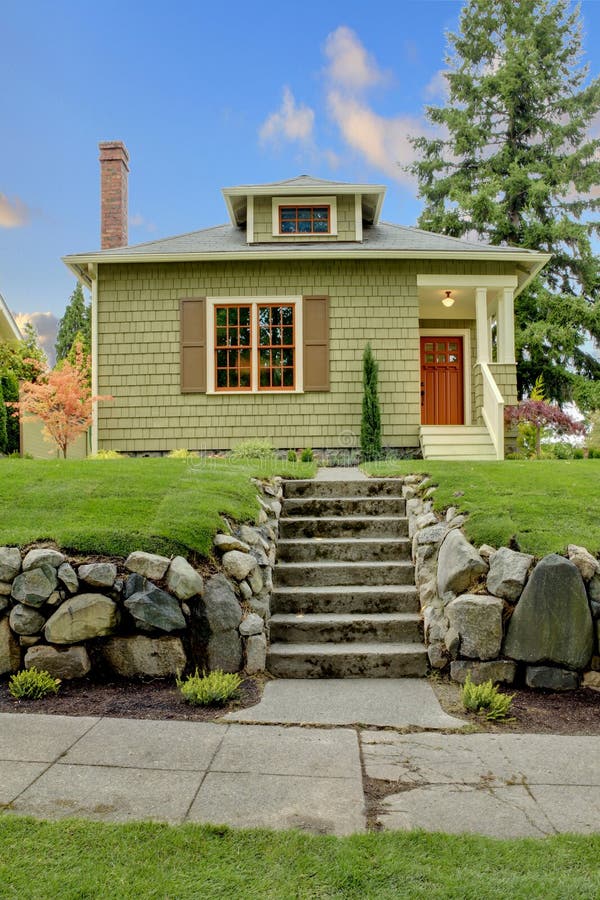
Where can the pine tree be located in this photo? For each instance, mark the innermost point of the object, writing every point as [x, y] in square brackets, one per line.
[517, 167]
[370, 426]
[75, 322]
[9, 386]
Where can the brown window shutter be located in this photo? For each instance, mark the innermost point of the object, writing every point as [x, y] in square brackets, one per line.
[316, 343]
[192, 318]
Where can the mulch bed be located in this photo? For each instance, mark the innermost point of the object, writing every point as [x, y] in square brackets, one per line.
[156, 699]
[539, 712]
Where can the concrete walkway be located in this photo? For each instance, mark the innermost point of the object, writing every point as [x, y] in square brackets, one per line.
[340, 473]
[508, 785]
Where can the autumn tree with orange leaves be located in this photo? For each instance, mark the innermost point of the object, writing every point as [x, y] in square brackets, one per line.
[61, 399]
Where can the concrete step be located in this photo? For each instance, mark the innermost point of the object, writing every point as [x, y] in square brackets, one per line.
[343, 527]
[347, 660]
[384, 598]
[370, 487]
[345, 627]
[344, 506]
[343, 573]
[347, 549]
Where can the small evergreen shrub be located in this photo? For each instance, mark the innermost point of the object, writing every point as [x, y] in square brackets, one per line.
[32, 684]
[254, 448]
[594, 453]
[292, 456]
[307, 455]
[486, 698]
[214, 689]
[370, 426]
[182, 453]
[578, 453]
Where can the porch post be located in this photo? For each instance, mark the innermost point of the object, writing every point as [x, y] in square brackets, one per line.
[506, 326]
[483, 331]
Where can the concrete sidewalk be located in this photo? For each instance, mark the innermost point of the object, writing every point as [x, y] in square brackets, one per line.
[308, 778]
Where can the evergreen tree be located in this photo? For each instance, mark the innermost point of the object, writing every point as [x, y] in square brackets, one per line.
[517, 167]
[3, 420]
[75, 322]
[24, 358]
[370, 426]
[9, 386]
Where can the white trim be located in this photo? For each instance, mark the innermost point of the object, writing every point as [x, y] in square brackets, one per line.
[358, 217]
[488, 281]
[94, 277]
[254, 303]
[482, 324]
[250, 220]
[329, 201]
[465, 334]
[506, 326]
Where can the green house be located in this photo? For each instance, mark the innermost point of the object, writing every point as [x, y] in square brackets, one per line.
[256, 328]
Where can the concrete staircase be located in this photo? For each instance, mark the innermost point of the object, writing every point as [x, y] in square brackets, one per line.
[344, 598]
[457, 442]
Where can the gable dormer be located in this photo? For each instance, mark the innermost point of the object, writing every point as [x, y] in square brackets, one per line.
[304, 209]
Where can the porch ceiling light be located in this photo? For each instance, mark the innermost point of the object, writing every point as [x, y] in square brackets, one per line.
[448, 300]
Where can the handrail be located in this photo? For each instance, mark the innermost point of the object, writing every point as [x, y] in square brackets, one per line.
[492, 410]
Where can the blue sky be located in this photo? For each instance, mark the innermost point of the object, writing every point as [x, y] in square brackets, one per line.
[205, 95]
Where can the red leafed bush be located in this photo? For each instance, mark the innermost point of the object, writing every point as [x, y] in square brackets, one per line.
[540, 415]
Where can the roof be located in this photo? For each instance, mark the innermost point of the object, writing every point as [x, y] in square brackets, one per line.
[226, 240]
[9, 330]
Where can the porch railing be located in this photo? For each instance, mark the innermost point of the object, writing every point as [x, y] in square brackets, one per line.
[492, 410]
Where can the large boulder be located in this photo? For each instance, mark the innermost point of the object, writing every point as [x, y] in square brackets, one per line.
[459, 564]
[26, 620]
[587, 564]
[508, 573]
[82, 618]
[10, 654]
[225, 651]
[43, 556]
[550, 678]
[183, 580]
[132, 657]
[64, 664]
[10, 563]
[237, 564]
[100, 575]
[478, 620]
[66, 575]
[552, 620]
[252, 624]
[227, 542]
[150, 565]
[155, 610]
[35, 586]
[221, 606]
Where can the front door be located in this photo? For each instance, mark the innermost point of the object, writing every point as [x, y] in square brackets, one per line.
[442, 401]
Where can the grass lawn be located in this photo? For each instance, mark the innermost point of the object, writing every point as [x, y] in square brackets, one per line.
[112, 507]
[542, 505]
[77, 860]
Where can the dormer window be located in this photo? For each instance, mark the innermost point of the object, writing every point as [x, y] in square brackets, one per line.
[297, 218]
[304, 219]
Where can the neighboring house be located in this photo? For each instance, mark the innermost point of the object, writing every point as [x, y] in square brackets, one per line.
[257, 327]
[9, 330]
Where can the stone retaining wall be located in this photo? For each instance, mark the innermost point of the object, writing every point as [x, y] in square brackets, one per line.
[498, 613]
[145, 616]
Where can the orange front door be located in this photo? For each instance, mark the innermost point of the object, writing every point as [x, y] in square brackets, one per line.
[442, 401]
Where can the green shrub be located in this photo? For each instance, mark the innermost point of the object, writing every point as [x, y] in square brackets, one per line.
[3, 424]
[578, 453]
[307, 455]
[594, 453]
[106, 454]
[561, 450]
[10, 389]
[370, 426]
[32, 684]
[486, 698]
[254, 448]
[292, 456]
[182, 453]
[214, 689]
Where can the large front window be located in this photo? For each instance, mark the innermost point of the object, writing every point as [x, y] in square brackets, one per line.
[255, 346]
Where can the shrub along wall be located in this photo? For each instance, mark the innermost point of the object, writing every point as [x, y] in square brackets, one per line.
[147, 615]
[501, 614]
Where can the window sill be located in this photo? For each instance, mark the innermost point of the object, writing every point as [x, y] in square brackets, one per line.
[277, 392]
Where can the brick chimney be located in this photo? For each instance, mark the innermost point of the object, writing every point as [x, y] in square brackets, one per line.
[114, 169]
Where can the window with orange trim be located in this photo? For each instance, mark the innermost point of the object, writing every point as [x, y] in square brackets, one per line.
[233, 348]
[276, 347]
[304, 219]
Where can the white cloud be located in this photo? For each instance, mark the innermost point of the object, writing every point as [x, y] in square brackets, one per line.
[137, 220]
[291, 122]
[437, 86]
[46, 326]
[350, 65]
[13, 214]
